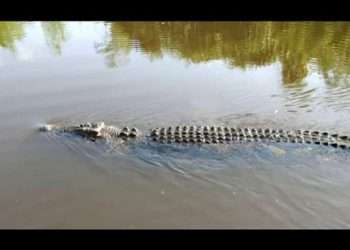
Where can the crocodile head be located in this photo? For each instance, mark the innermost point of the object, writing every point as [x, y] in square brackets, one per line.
[91, 130]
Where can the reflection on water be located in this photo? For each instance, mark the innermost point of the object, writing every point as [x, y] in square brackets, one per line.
[10, 32]
[55, 35]
[301, 48]
[239, 44]
[287, 75]
[243, 44]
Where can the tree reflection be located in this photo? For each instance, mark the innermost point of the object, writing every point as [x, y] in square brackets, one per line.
[55, 35]
[242, 44]
[116, 46]
[10, 32]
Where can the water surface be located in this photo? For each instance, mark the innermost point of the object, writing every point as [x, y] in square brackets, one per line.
[151, 74]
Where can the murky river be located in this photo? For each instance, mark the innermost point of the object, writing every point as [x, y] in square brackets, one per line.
[152, 74]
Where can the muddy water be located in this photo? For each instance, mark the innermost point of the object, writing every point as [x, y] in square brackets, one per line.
[259, 74]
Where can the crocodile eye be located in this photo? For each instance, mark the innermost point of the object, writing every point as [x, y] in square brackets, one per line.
[125, 129]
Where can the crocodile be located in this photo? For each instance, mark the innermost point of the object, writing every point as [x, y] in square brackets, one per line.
[205, 134]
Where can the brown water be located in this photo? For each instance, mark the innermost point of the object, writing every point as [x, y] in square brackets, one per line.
[267, 74]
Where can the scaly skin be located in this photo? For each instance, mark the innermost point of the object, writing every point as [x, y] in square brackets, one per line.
[214, 135]
[208, 135]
